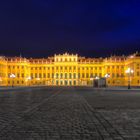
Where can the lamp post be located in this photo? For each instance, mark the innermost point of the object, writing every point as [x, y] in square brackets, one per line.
[12, 76]
[106, 76]
[97, 81]
[129, 72]
[0, 81]
[28, 80]
[38, 79]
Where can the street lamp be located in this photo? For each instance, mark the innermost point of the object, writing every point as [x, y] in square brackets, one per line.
[28, 79]
[91, 79]
[129, 72]
[12, 76]
[1, 81]
[106, 76]
[38, 79]
[97, 78]
[97, 81]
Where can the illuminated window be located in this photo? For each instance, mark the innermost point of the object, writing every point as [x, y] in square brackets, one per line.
[61, 75]
[57, 82]
[65, 75]
[74, 75]
[78, 75]
[117, 75]
[113, 75]
[70, 75]
[40, 75]
[35, 75]
[57, 75]
[91, 75]
[44, 75]
[18, 75]
[31, 75]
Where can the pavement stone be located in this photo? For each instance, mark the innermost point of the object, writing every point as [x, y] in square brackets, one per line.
[65, 114]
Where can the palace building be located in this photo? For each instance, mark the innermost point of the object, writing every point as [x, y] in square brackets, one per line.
[69, 70]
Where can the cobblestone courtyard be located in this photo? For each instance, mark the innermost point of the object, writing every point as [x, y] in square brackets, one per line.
[76, 113]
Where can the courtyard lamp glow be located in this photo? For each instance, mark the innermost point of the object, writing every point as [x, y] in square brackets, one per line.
[97, 78]
[37, 79]
[12, 76]
[106, 76]
[28, 79]
[0, 81]
[129, 72]
[91, 80]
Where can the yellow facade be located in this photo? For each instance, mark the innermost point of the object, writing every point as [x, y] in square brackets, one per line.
[68, 70]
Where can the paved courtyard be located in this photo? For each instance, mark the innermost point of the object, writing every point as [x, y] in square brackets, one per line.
[72, 113]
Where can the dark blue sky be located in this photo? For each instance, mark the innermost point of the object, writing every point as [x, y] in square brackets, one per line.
[40, 28]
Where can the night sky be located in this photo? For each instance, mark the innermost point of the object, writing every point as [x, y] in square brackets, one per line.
[41, 28]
